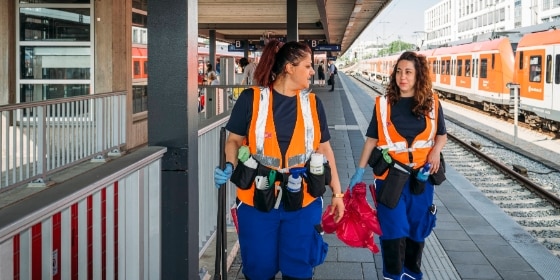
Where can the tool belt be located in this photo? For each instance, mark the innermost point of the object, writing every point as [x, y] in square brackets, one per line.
[397, 177]
[270, 186]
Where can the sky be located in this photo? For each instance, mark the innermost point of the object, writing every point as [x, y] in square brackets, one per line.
[399, 18]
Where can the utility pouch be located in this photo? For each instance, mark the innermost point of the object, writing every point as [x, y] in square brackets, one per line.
[439, 177]
[292, 200]
[243, 176]
[264, 199]
[393, 185]
[377, 162]
[416, 186]
[316, 182]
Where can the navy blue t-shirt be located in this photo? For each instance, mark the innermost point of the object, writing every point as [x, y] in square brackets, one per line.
[406, 123]
[284, 116]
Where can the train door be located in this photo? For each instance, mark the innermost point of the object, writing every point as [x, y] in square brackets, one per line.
[474, 73]
[554, 86]
[546, 74]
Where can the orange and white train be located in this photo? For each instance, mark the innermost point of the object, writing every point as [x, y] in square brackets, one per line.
[478, 74]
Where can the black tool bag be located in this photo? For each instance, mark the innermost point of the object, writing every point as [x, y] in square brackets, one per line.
[243, 176]
[417, 186]
[316, 182]
[377, 162]
[264, 199]
[439, 177]
[393, 185]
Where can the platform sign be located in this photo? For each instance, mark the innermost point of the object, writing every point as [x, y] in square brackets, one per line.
[327, 47]
[239, 47]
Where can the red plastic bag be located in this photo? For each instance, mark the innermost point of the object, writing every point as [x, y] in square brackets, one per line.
[359, 223]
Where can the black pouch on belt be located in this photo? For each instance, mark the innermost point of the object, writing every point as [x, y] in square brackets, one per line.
[393, 184]
[377, 162]
[243, 176]
[416, 186]
[265, 198]
[438, 177]
[292, 200]
[316, 182]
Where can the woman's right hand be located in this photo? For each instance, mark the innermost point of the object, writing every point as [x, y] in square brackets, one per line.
[357, 177]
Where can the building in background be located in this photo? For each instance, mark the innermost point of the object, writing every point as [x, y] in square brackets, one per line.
[462, 20]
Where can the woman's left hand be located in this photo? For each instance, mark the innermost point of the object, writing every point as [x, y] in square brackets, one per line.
[337, 208]
[434, 160]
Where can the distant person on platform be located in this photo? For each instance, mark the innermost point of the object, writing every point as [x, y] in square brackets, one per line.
[331, 74]
[218, 66]
[213, 79]
[321, 74]
[248, 71]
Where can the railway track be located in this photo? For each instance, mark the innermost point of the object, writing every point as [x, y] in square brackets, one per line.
[524, 188]
[532, 200]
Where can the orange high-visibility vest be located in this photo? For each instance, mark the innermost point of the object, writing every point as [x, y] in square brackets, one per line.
[263, 143]
[397, 144]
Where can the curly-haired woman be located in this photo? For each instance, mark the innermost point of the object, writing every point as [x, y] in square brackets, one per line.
[408, 124]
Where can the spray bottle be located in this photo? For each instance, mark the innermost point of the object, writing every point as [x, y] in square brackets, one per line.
[424, 173]
[294, 181]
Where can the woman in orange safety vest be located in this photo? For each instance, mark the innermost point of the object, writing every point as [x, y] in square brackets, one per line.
[408, 125]
[283, 124]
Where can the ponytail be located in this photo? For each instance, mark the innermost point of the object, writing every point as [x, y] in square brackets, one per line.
[263, 74]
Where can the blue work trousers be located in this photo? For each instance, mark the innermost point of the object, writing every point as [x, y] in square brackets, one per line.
[405, 228]
[279, 240]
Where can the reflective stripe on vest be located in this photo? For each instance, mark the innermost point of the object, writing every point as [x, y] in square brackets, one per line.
[260, 133]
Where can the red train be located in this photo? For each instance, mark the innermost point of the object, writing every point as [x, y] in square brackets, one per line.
[478, 74]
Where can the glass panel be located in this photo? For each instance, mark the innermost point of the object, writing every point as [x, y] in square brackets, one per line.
[55, 1]
[55, 24]
[69, 63]
[535, 69]
[38, 92]
[139, 99]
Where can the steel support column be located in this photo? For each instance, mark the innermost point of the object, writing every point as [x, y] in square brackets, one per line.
[173, 123]
[212, 48]
[292, 18]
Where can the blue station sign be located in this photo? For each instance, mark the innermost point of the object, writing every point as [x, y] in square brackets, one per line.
[327, 47]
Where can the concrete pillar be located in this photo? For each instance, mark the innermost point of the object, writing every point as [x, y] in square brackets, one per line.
[173, 123]
[7, 52]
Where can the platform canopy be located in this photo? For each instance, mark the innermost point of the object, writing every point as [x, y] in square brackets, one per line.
[327, 21]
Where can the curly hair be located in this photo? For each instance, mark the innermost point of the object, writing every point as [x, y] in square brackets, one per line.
[423, 94]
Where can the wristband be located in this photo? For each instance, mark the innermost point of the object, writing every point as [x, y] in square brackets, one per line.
[338, 195]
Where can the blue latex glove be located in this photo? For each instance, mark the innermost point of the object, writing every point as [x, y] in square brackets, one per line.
[357, 177]
[222, 176]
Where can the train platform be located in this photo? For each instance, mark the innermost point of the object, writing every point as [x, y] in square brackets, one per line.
[473, 238]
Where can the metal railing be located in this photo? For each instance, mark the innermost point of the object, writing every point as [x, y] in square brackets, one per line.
[40, 138]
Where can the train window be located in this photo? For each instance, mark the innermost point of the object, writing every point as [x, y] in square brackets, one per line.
[484, 68]
[447, 67]
[459, 67]
[136, 67]
[493, 60]
[557, 70]
[548, 77]
[467, 67]
[520, 60]
[535, 68]
[434, 67]
[145, 67]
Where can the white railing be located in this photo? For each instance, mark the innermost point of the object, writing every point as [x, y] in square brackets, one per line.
[40, 138]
